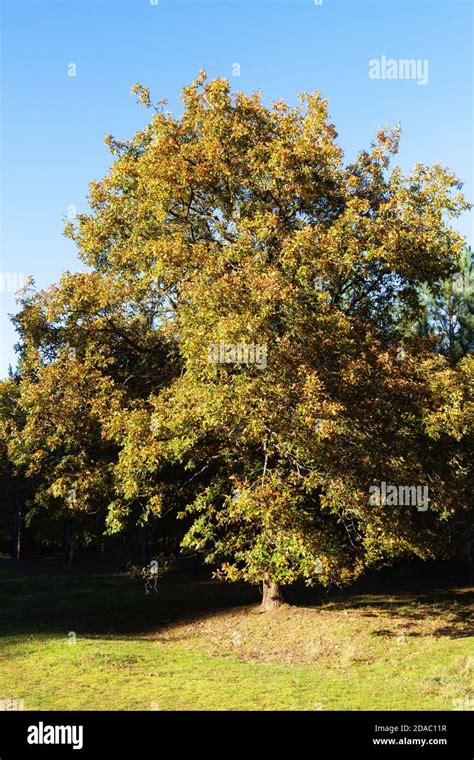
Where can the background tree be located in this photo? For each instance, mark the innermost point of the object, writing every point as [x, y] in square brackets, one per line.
[449, 311]
[13, 487]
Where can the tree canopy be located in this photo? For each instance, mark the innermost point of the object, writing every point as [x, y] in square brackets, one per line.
[240, 351]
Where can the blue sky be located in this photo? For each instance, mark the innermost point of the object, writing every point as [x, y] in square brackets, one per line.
[53, 125]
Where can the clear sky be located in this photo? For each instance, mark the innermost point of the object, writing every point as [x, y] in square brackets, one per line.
[53, 124]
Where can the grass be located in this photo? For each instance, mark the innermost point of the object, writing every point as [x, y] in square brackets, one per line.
[394, 643]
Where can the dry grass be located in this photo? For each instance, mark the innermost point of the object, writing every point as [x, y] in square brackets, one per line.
[336, 634]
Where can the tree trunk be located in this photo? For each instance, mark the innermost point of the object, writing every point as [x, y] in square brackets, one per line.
[144, 546]
[16, 548]
[68, 546]
[272, 597]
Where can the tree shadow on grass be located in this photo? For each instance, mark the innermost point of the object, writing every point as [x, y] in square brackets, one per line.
[40, 597]
[43, 598]
[409, 594]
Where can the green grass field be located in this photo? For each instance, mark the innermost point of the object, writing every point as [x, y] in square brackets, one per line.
[201, 645]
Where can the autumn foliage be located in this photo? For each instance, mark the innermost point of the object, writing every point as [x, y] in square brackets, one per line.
[240, 225]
